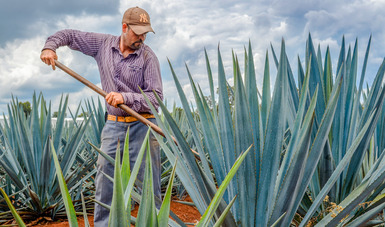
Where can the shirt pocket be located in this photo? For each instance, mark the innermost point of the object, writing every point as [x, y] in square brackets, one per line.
[133, 76]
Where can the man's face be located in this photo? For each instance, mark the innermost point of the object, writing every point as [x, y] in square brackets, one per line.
[134, 41]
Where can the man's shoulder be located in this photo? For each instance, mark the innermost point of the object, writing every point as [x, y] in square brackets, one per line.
[147, 51]
[108, 37]
[106, 41]
[112, 37]
[88, 33]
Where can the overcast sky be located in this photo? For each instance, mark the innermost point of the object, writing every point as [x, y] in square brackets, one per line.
[183, 29]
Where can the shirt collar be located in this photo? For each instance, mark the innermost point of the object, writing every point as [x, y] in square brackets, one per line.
[115, 45]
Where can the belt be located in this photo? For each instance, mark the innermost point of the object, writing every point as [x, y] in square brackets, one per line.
[129, 118]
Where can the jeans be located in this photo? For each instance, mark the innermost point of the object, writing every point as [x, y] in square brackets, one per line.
[112, 132]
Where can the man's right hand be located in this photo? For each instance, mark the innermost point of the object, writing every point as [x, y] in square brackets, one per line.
[48, 57]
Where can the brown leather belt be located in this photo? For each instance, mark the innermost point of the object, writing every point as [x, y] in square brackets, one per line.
[129, 118]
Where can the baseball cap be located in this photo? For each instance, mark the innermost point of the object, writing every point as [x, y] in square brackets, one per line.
[138, 20]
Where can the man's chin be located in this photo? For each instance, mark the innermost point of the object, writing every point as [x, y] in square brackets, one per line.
[136, 46]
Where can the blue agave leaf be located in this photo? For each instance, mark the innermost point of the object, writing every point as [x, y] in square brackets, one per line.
[165, 208]
[212, 92]
[355, 198]
[117, 217]
[266, 95]
[226, 131]
[147, 211]
[244, 139]
[25, 143]
[318, 144]
[60, 122]
[336, 174]
[210, 133]
[319, 60]
[375, 101]
[341, 58]
[301, 74]
[294, 135]
[328, 75]
[186, 152]
[274, 56]
[218, 195]
[16, 216]
[182, 169]
[46, 163]
[69, 207]
[357, 105]
[316, 79]
[36, 135]
[254, 107]
[293, 98]
[273, 143]
[291, 186]
[297, 155]
[71, 147]
[191, 121]
[371, 213]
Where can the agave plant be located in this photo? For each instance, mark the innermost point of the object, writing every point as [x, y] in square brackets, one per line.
[344, 175]
[96, 113]
[179, 116]
[308, 142]
[26, 160]
[123, 184]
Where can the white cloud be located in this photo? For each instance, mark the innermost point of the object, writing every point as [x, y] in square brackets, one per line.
[22, 72]
[92, 23]
[20, 66]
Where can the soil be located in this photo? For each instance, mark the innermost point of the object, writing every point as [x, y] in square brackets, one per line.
[188, 214]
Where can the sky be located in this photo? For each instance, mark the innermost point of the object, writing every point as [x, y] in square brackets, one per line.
[183, 30]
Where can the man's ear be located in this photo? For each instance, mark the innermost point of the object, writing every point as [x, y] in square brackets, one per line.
[125, 28]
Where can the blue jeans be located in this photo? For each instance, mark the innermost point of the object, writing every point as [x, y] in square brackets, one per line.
[112, 132]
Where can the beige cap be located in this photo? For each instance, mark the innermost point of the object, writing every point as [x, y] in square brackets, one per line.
[138, 20]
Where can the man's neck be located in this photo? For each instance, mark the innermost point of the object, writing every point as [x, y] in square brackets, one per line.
[125, 49]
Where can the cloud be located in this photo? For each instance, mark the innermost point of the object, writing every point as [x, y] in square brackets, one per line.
[22, 72]
[184, 28]
[18, 17]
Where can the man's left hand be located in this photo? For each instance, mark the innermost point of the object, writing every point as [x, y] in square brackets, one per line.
[114, 99]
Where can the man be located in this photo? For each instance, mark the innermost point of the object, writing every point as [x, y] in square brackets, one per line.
[125, 64]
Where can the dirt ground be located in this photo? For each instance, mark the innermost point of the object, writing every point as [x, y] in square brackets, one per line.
[186, 213]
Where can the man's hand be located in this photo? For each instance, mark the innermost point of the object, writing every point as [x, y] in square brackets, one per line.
[114, 99]
[48, 57]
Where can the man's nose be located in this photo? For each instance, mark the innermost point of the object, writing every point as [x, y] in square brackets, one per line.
[142, 37]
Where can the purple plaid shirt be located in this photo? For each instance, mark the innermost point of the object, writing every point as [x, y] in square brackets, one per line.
[118, 74]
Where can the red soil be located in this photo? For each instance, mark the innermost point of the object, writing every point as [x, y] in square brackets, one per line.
[186, 213]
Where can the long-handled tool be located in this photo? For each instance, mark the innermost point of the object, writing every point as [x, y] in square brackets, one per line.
[121, 106]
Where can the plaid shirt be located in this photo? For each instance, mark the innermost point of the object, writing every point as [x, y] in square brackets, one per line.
[117, 74]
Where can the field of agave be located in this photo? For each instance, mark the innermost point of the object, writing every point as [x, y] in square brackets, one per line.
[27, 170]
[308, 152]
